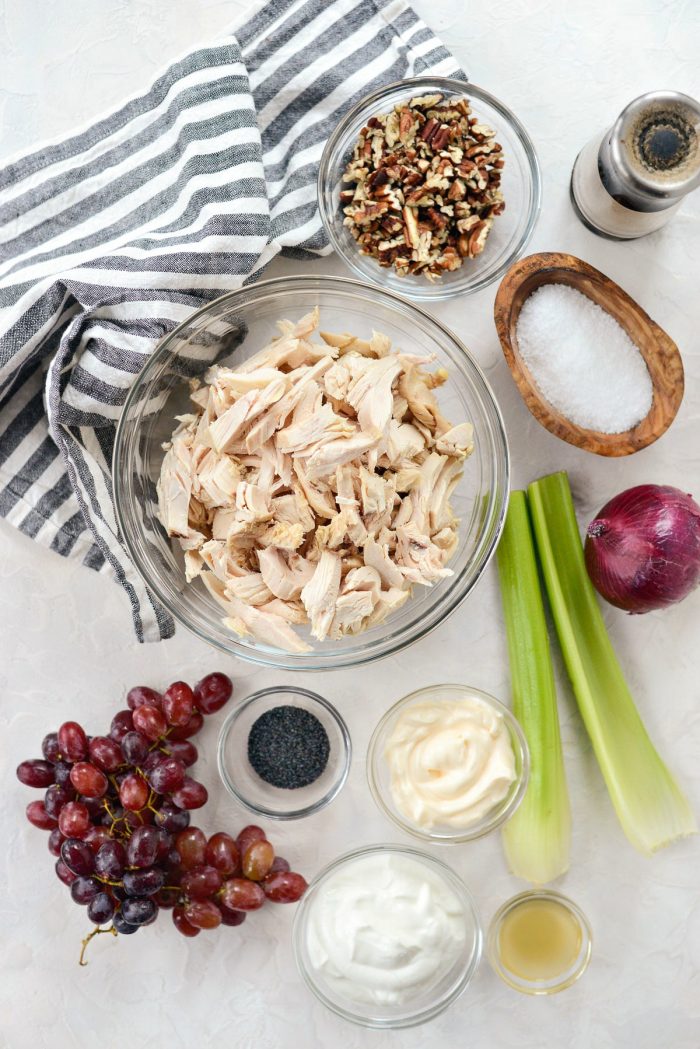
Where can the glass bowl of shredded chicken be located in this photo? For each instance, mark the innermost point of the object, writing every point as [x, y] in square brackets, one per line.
[310, 473]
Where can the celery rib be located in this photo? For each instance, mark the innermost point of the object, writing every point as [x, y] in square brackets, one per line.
[649, 804]
[537, 838]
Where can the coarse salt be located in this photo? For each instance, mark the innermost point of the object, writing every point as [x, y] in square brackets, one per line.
[582, 360]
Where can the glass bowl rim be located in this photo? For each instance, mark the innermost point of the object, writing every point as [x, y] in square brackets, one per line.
[453, 879]
[499, 815]
[338, 783]
[428, 292]
[540, 987]
[452, 597]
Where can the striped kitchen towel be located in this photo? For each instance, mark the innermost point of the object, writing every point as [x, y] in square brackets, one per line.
[109, 238]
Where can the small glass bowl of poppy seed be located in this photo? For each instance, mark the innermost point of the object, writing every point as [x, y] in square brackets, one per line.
[284, 753]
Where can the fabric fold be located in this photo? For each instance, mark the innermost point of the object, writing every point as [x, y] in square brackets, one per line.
[114, 235]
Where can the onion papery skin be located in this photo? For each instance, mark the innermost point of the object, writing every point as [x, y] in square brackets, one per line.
[643, 548]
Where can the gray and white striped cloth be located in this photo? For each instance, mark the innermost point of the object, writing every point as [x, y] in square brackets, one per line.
[111, 237]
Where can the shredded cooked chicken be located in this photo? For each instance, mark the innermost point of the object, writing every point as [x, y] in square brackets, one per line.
[312, 484]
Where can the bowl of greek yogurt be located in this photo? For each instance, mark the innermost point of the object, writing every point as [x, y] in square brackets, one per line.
[448, 763]
[387, 936]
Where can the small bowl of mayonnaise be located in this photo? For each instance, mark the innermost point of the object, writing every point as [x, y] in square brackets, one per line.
[387, 936]
[448, 763]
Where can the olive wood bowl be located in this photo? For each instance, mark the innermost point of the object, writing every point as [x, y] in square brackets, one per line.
[659, 351]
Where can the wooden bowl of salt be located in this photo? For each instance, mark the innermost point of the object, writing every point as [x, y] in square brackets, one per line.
[601, 398]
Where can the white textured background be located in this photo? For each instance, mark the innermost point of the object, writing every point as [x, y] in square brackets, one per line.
[67, 650]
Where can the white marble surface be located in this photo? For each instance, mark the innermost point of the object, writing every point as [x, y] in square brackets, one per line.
[67, 648]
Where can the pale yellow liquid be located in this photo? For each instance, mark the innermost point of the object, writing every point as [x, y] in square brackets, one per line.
[539, 940]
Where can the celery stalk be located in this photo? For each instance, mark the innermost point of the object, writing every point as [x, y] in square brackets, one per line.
[537, 838]
[649, 803]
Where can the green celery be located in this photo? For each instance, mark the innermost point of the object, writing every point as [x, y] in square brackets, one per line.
[649, 803]
[537, 838]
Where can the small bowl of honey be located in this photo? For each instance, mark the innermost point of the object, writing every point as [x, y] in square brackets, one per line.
[539, 942]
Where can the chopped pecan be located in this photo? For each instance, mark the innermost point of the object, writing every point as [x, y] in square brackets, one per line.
[441, 137]
[423, 186]
[429, 130]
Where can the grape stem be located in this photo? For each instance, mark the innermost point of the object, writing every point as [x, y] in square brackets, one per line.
[86, 941]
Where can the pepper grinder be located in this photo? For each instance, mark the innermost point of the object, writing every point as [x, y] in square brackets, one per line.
[631, 180]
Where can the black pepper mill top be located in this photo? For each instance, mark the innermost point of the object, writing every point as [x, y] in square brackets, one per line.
[650, 158]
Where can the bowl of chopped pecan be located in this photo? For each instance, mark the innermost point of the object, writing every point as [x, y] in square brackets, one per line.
[429, 187]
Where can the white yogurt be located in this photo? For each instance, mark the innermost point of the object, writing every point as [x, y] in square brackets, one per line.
[384, 928]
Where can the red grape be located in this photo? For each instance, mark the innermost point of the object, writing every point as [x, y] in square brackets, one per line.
[178, 703]
[212, 692]
[73, 820]
[55, 841]
[201, 882]
[191, 844]
[72, 741]
[105, 753]
[165, 844]
[239, 894]
[95, 807]
[167, 898]
[78, 856]
[138, 910]
[182, 925]
[122, 723]
[143, 882]
[122, 926]
[83, 890]
[141, 696]
[222, 852]
[65, 874]
[190, 729]
[279, 864]
[203, 914]
[39, 817]
[257, 860]
[172, 818]
[284, 887]
[183, 750]
[153, 758]
[167, 776]
[135, 747]
[96, 837]
[36, 773]
[50, 748]
[142, 847]
[110, 860]
[133, 792]
[56, 797]
[229, 917]
[61, 771]
[248, 835]
[150, 722]
[173, 866]
[101, 908]
[89, 780]
[191, 795]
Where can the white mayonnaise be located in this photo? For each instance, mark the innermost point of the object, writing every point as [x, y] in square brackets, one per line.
[384, 928]
[451, 762]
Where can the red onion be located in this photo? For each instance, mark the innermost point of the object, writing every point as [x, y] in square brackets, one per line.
[643, 548]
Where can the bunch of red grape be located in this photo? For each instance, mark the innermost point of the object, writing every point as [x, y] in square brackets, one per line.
[118, 811]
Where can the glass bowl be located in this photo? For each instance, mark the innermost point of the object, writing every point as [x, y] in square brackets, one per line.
[562, 980]
[425, 1003]
[521, 185]
[228, 331]
[379, 777]
[241, 779]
